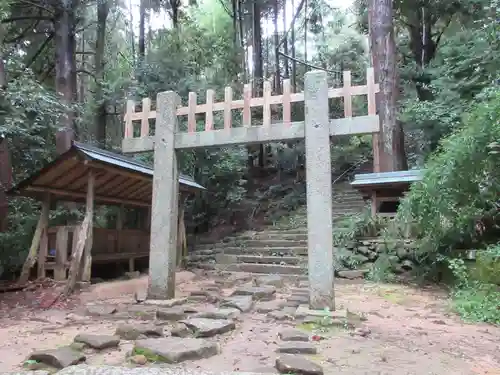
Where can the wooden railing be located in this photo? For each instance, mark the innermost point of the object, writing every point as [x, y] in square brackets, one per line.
[245, 104]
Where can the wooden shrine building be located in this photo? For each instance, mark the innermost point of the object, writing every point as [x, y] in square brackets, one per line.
[385, 189]
[94, 176]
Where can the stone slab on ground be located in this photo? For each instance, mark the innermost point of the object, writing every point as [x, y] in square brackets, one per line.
[222, 313]
[297, 347]
[140, 311]
[166, 302]
[101, 310]
[304, 310]
[292, 334]
[352, 274]
[108, 370]
[98, 342]
[242, 303]
[58, 358]
[262, 293]
[176, 349]
[268, 306]
[203, 327]
[135, 331]
[171, 313]
[280, 315]
[297, 365]
[272, 280]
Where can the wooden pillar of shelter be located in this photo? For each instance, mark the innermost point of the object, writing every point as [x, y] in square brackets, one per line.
[81, 261]
[181, 235]
[37, 243]
[62, 236]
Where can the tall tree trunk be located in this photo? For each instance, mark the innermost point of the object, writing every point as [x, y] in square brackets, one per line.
[142, 30]
[5, 182]
[285, 42]
[100, 115]
[65, 71]
[277, 74]
[383, 49]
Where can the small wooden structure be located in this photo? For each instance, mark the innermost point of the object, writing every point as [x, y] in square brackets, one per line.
[385, 189]
[88, 174]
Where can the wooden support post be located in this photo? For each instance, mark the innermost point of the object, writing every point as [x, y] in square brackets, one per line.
[43, 251]
[181, 235]
[119, 227]
[81, 242]
[43, 222]
[61, 253]
[319, 192]
[163, 244]
[89, 211]
[131, 264]
[374, 204]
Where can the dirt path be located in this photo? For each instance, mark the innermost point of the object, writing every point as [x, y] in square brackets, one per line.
[408, 331]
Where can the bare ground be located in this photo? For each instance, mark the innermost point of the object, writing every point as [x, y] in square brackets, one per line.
[412, 332]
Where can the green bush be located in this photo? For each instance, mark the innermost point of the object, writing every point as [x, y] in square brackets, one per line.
[455, 205]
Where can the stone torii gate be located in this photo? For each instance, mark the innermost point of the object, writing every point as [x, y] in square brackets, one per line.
[316, 129]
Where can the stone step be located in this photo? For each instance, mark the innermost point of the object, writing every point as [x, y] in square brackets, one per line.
[266, 251]
[267, 243]
[263, 236]
[262, 268]
[260, 259]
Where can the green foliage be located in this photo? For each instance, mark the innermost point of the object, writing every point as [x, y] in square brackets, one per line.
[476, 293]
[456, 203]
[356, 226]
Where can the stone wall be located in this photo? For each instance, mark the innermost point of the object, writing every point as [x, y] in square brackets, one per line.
[361, 254]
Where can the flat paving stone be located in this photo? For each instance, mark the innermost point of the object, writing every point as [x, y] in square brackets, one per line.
[166, 303]
[101, 310]
[297, 365]
[176, 349]
[58, 358]
[279, 315]
[98, 342]
[147, 370]
[263, 293]
[292, 334]
[242, 303]
[203, 327]
[268, 306]
[304, 310]
[222, 313]
[135, 331]
[171, 313]
[273, 280]
[297, 347]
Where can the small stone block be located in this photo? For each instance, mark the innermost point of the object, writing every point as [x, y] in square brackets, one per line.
[176, 349]
[98, 342]
[58, 358]
[297, 347]
[291, 334]
[298, 365]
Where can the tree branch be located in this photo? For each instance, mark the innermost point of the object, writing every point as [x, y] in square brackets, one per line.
[25, 18]
[23, 34]
[37, 5]
[40, 50]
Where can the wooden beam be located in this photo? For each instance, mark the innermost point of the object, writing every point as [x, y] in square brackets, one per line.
[61, 253]
[75, 194]
[87, 255]
[81, 241]
[137, 176]
[255, 134]
[42, 226]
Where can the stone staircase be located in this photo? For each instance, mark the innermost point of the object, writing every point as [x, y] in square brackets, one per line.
[275, 250]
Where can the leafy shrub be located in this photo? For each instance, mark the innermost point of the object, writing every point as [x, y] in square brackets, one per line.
[456, 202]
